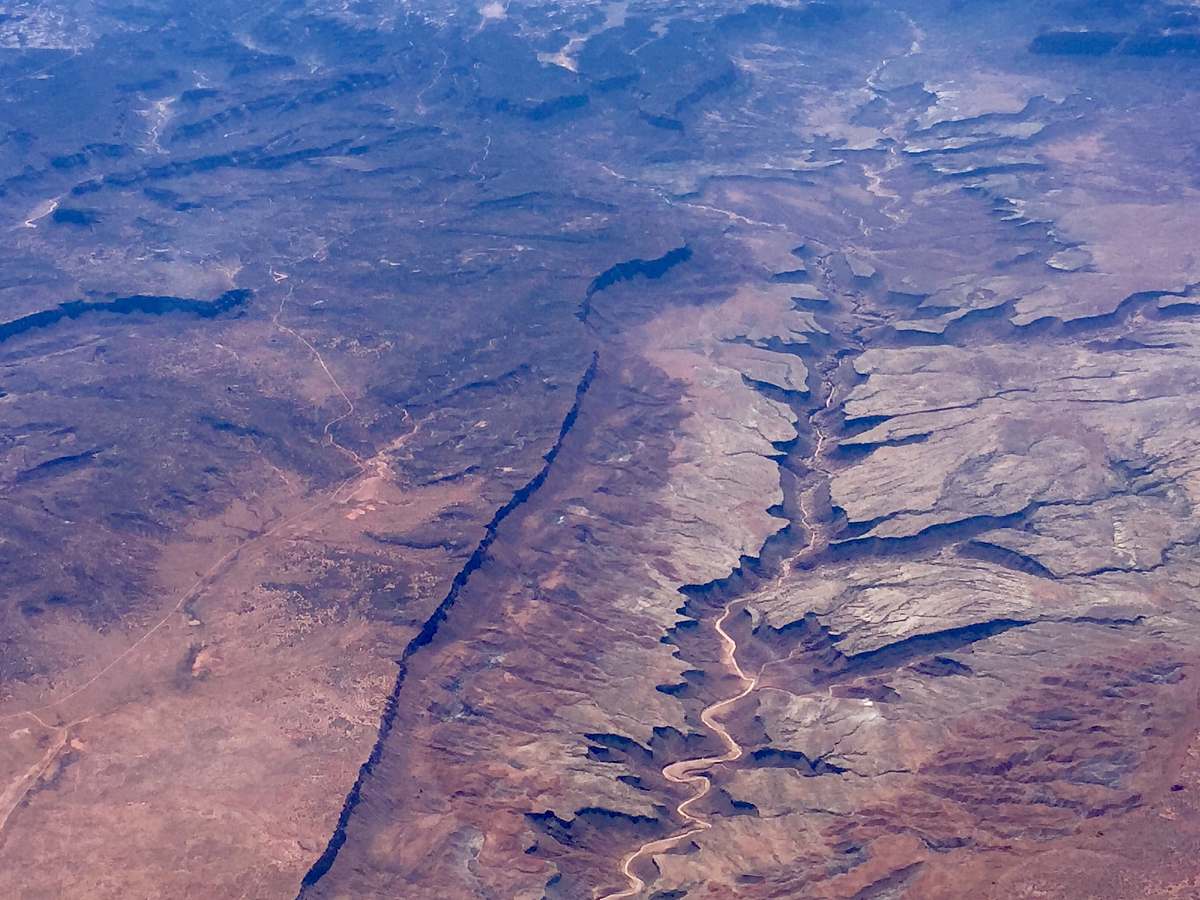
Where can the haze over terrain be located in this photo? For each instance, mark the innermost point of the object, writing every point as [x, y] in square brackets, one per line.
[593, 450]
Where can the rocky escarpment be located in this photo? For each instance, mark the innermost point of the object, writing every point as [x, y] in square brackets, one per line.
[431, 625]
[632, 268]
[154, 306]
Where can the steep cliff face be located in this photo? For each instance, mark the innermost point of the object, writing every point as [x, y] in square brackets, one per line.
[651, 450]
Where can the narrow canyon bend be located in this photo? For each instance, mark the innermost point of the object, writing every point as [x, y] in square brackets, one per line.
[600, 450]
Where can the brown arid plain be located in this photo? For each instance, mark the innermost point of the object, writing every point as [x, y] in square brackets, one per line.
[618, 450]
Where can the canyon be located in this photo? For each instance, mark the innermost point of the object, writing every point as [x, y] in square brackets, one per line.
[567, 451]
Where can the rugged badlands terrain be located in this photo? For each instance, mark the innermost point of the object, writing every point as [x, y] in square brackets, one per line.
[630, 449]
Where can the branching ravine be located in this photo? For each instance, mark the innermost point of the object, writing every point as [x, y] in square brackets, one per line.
[694, 772]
